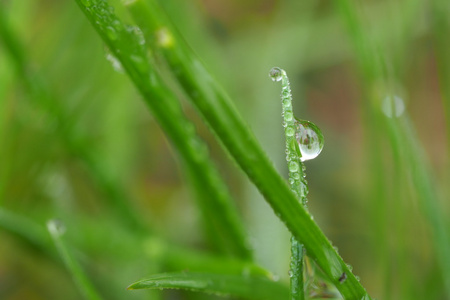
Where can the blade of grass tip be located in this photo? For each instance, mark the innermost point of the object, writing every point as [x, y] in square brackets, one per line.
[247, 287]
[126, 45]
[218, 111]
[57, 230]
[43, 98]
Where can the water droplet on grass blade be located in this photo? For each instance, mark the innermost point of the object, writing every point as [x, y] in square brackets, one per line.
[86, 3]
[276, 74]
[56, 227]
[309, 139]
[117, 66]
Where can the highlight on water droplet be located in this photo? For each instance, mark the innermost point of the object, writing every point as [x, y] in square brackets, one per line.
[276, 74]
[393, 106]
[56, 227]
[309, 138]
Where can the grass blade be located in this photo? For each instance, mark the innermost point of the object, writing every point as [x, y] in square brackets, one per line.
[216, 202]
[218, 111]
[247, 287]
[56, 230]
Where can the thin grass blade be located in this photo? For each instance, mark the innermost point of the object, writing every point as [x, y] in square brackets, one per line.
[247, 287]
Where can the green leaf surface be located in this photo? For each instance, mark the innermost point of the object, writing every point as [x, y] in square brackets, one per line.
[247, 287]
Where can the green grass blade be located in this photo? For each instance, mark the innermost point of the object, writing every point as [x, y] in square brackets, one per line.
[27, 230]
[247, 287]
[401, 132]
[56, 230]
[43, 99]
[216, 201]
[428, 197]
[218, 111]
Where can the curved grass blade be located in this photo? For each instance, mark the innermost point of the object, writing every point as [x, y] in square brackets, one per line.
[215, 200]
[247, 287]
[219, 112]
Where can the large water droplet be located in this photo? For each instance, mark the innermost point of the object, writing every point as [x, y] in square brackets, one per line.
[276, 74]
[309, 139]
[393, 106]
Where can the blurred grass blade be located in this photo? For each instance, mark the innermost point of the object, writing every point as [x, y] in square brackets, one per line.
[441, 32]
[25, 229]
[247, 287]
[182, 258]
[42, 98]
[219, 112]
[56, 230]
[402, 134]
[216, 202]
[428, 196]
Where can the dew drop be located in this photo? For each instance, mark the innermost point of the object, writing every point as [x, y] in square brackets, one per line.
[288, 116]
[293, 166]
[309, 139]
[86, 3]
[276, 74]
[393, 106]
[111, 33]
[117, 66]
[56, 227]
[290, 131]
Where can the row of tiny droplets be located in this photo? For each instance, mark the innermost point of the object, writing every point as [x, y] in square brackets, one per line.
[297, 181]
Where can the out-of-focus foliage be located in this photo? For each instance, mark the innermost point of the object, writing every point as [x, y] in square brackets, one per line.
[77, 143]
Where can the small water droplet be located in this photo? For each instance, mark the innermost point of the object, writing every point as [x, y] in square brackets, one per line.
[288, 116]
[111, 33]
[290, 131]
[164, 38]
[296, 176]
[309, 139]
[117, 66]
[276, 74]
[86, 3]
[350, 267]
[393, 106]
[291, 273]
[56, 227]
[293, 166]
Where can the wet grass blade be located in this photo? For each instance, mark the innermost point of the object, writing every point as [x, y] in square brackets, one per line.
[247, 287]
[217, 206]
[218, 111]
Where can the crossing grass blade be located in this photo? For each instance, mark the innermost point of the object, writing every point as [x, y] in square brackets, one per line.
[247, 287]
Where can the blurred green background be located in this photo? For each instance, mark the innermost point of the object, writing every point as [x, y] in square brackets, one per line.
[74, 134]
